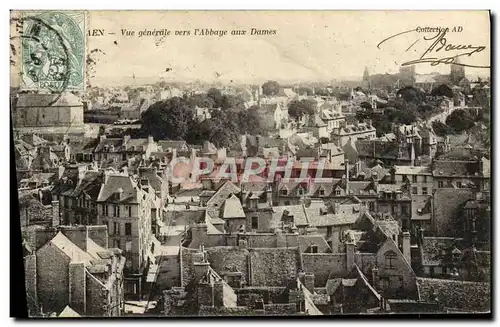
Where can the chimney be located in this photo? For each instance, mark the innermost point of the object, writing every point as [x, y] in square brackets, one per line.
[55, 214]
[126, 138]
[242, 244]
[375, 278]
[406, 246]
[346, 166]
[350, 247]
[336, 207]
[102, 138]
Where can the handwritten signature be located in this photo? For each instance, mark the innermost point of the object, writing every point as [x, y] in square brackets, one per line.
[439, 44]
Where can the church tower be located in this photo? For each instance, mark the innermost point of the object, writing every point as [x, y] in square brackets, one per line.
[457, 72]
[366, 78]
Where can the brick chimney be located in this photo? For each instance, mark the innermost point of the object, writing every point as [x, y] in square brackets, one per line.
[406, 246]
[55, 214]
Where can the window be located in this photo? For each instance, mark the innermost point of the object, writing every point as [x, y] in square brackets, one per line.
[414, 190]
[459, 184]
[424, 190]
[105, 209]
[404, 177]
[404, 210]
[287, 203]
[390, 260]
[314, 248]
[284, 191]
[255, 222]
[337, 192]
[116, 228]
[440, 184]
[128, 229]
[414, 178]
[118, 244]
[128, 246]
[321, 192]
[129, 210]
[116, 212]
[329, 231]
[300, 191]
[425, 178]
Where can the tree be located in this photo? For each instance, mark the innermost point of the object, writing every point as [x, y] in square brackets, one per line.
[411, 94]
[365, 105]
[442, 90]
[440, 128]
[249, 121]
[102, 130]
[305, 90]
[460, 120]
[297, 109]
[231, 101]
[168, 119]
[270, 88]
[216, 96]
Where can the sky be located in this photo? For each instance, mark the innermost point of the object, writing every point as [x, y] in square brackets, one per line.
[307, 46]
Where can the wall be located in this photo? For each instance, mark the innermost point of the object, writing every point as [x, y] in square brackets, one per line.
[264, 219]
[447, 204]
[187, 265]
[229, 259]
[273, 267]
[169, 274]
[402, 278]
[52, 270]
[365, 261]
[34, 212]
[30, 284]
[324, 264]
[49, 116]
[77, 297]
[97, 297]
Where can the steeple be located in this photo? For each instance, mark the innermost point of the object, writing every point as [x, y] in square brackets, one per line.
[366, 75]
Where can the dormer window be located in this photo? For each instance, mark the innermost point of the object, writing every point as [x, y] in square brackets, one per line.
[321, 192]
[284, 192]
[337, 192]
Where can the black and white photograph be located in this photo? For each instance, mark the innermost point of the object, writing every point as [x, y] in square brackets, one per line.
[252, 163]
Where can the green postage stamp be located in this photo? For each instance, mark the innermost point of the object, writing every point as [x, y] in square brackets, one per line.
[53, 51]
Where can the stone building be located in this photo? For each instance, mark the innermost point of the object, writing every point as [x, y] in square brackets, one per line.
[124, 205]
[73, 266]
[48, 110]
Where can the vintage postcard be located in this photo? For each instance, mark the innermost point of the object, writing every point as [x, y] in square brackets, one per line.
[252, 163]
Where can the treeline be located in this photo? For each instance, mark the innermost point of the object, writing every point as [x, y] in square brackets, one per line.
[175, 119]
